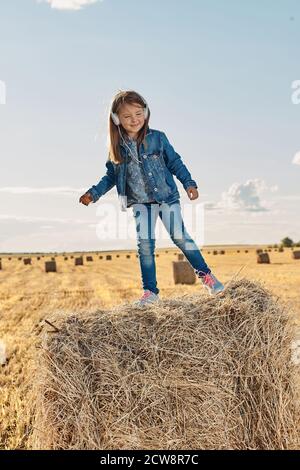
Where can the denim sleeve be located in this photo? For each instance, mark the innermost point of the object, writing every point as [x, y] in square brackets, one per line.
[107, 182]
[175, 164]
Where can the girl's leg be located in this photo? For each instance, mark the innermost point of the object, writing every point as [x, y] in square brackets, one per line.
[173, 222]
[145, 220]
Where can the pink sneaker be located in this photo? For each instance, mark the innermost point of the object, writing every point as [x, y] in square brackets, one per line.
[148, 298]
[212, 284]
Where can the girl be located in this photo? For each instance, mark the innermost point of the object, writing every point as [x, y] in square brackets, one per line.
[141, 164]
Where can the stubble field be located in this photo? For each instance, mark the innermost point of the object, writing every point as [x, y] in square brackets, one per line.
[29, 295]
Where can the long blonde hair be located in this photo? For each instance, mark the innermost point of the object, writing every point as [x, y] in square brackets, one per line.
[128, 97]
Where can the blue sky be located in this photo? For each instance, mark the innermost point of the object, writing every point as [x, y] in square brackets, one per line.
[217, 76]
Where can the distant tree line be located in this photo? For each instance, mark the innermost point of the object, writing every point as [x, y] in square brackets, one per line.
[286, 242]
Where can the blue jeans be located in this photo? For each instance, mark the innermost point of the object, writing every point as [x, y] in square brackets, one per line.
[170, 213]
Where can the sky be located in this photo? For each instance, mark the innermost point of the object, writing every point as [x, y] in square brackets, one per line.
[222, 80]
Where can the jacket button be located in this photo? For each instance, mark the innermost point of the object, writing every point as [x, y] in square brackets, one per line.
[155, 189]
[150, 173]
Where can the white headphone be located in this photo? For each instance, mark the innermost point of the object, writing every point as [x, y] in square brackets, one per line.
[116, 119]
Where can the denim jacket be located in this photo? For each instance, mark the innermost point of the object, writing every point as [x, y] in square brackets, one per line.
[159, 163]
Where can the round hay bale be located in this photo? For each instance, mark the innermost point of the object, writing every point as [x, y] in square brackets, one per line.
[72, 257]
[65, 258]
[222, 252]
[263, 258]
[281, 249]
[38, 258]
[246, 251]
[258, 251]
[181, 257]
[100, 257]
[89, 258]
[27, 260]
[127, 256]
[9, 258]
[50, 266]
[118, 256]
[238, 251]
[108, 257]
[215, 252]
[53, 258]
[79, 261]
[184, 374]
[0, 265]
[183, 273]
[296, 254]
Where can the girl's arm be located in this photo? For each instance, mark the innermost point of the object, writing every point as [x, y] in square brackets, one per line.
[107, 182]
[175, 164]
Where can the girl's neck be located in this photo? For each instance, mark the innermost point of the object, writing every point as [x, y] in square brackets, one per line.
[132, 137]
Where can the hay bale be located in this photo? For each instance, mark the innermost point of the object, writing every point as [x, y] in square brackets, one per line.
[215, 252]
[65, 258]
[281, 249]
[100, 257]
[238, 251]
[166, 251]
[79, 261]
[72, 257]
[108, 257]
[222, 252]
[263, 258]
[89, 258]
[296, 254]
[27, 260]
[9, 258]
[258, 251]
[246, 251]
[183, 273]
[185, 374]
[181, 257]
[53, 258]
[38, 258]
[50, 266]
[127, 256]
[0, 265]
[118, 256]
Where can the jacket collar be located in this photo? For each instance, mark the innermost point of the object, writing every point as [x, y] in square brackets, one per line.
[147, 133]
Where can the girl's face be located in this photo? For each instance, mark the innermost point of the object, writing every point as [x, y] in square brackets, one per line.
[132, 118]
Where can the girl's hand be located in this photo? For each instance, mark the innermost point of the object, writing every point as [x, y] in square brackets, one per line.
[192, 192]
[86, 199]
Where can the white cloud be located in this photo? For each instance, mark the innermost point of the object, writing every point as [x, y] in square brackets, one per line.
[245, 197]
[61, 190]
[69, 4]
[296, 159]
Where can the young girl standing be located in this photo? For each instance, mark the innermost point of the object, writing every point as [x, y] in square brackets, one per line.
[141, 164]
